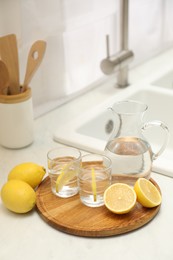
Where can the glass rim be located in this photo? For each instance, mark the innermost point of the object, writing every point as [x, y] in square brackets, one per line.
[117, 109]
[99, 155]
[61, 148]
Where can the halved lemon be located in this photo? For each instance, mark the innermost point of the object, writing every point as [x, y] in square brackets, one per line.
[65, 176]
[120, 198]
[147, 194]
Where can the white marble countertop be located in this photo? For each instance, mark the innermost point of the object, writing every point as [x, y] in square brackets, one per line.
[29, 237]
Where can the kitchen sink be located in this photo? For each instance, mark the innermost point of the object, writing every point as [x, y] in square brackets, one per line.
[165, 81]
[91, 131]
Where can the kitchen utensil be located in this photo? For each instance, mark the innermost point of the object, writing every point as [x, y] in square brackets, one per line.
[71, 216]
[9, 55]
[4, 78]
[35, 57]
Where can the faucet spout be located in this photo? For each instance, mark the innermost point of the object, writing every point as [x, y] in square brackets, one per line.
[117, 62]
[120, 61]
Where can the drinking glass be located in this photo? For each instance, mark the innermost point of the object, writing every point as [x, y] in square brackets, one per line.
[94, 178]
[63, 168]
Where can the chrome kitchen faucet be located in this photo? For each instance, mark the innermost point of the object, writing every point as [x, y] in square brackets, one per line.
[119, 61]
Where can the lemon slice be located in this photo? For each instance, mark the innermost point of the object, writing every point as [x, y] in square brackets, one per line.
[65, 176]
[147, 194]
[94, 188]
[120, 198]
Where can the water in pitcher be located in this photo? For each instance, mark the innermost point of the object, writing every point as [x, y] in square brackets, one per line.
[131, 158]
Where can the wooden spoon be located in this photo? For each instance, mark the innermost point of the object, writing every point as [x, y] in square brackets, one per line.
[9, 55]
[4, 78]
[35, 57]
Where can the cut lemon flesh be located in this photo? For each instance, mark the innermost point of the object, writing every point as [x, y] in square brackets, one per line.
[147, 194]
[65, 176]
[120, 198]
[94, 188]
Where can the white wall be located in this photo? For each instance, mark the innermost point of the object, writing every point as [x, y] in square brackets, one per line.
[75, 33]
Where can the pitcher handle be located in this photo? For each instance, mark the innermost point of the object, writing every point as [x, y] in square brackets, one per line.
[157, 123]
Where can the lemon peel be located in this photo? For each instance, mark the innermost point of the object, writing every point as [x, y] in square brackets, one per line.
[18, 196]
[29, 172]
[147, 193]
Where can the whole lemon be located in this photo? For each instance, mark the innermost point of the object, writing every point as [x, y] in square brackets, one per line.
[18, 196]
[29, 172]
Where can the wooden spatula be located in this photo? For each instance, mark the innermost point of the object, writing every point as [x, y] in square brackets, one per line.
[9, 55]
[4, 78]
[35, 57]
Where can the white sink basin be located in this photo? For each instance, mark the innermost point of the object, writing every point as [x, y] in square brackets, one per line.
[165, 81]
[91, 131]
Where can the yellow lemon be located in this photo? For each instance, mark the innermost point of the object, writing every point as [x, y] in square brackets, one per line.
[147, 194]
[29, 172]
[18, 196]
[120, 198]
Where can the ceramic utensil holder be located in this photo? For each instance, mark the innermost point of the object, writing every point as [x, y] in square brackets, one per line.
[16, 117]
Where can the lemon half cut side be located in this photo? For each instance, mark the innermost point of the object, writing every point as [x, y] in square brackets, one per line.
[120, 198]
[147, 193]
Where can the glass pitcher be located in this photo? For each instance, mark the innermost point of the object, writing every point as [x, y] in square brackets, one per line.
[130, 152]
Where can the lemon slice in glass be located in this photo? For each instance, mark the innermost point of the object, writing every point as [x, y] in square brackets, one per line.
[147, 194]
[65, 176]
[94, 187]
[120, 198]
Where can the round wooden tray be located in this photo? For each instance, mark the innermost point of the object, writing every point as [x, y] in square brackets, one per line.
[71, 216]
